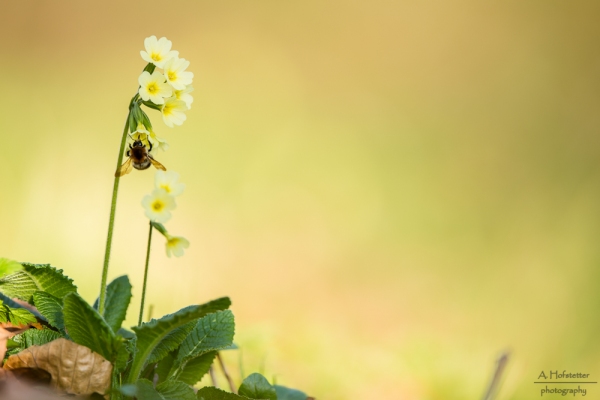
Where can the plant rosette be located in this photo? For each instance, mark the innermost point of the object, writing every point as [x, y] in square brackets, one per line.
[50, 335]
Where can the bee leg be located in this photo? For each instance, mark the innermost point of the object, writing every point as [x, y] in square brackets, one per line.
[150, 143]
[128, 152]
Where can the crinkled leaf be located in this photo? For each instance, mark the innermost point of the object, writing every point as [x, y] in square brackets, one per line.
[16, 316]
[149, 335]
[170, 390]
[176, 391]
[212, 393]
[118, 296]
[284, 393]
[86, 327]
[212, 332]
[73, 368]
[163, 368]
[51, 308]
[125, 333]
[35, 337]
[194, 369]
[8, 267]
[256, 386]
[171, 342]
[22, 284]
[11, 303]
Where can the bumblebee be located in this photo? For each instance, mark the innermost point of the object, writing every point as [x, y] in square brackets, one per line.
[139, 158]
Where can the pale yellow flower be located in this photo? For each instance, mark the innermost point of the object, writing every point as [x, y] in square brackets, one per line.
[176, 244]
[168, 180]
[158, 142]
[185, 95]
[158, 205]
[176, 74]
[158, 52]
[173, 112]
[154, 87]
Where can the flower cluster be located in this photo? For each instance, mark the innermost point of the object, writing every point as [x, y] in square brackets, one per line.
[170, 90]
[158, 206]
[167, 91]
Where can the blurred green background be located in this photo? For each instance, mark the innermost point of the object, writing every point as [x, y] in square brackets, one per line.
[392, 193]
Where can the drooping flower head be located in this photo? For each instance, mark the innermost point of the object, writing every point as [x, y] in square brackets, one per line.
[141, 134]
[175, 245]
[158, 205]
[158, 52]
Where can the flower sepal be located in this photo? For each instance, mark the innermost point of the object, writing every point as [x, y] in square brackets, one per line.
[150, 68]
[160, 227]
[135, 116]
[151, 105]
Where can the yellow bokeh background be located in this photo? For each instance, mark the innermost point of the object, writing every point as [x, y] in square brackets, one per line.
[392, 193]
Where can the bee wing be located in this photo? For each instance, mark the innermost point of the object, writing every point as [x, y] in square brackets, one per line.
[156, 164]
[125, 168]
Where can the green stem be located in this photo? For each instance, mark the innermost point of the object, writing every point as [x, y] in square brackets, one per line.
[111, 220]
[145, 274]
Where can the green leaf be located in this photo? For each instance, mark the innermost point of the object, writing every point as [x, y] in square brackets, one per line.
[20, 316]
[17, 316]
[256, 386]
[10, 303]
[36, 337]
[284, 393]
[163, 368]
[87, 328]
[171, 390]
[118, 296]
[150, 334]
[212, 393]
[213, 332]
[170, 342]
[22, 284]
[125, 333]
[50, 307]
[128, 390]
[196, 368]
[8, 267]
[176, 391]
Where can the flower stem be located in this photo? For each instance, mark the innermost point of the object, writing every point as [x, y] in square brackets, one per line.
[111, 220]
[145, 274]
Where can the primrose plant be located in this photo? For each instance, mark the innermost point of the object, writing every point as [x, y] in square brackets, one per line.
[83, 349]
